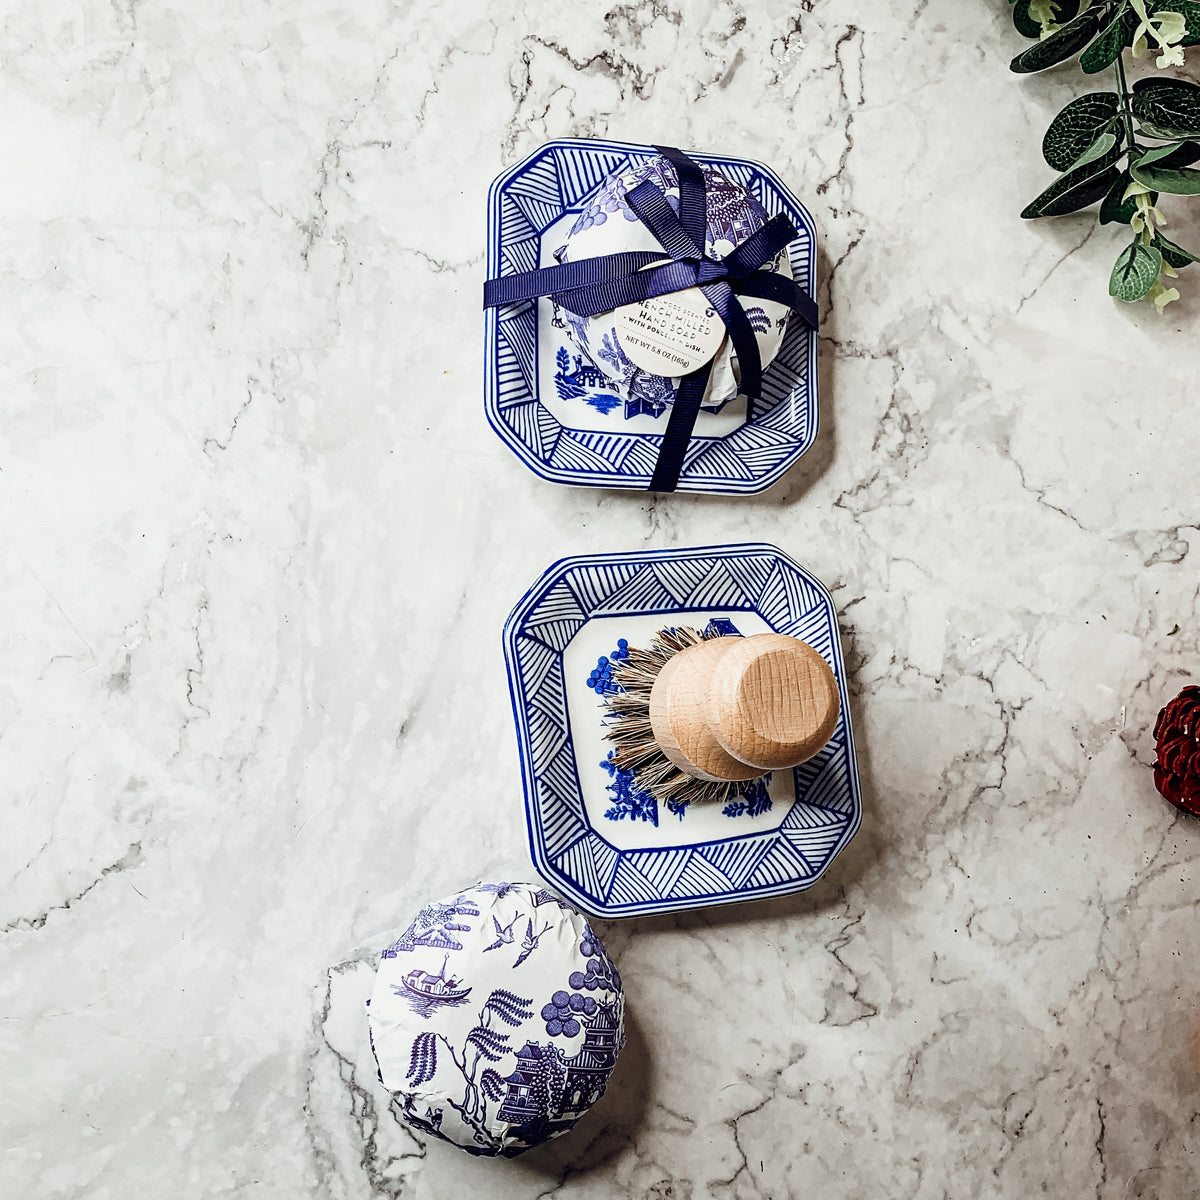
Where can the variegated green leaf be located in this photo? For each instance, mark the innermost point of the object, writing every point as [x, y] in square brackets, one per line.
[1077, 188]
[1176, 255]
[1061, 45]
[1077, 127]
[1115, 207]
[1168, 108]
[1164, 169]
[1103, 144]
[1114, 38]
[1136, 272]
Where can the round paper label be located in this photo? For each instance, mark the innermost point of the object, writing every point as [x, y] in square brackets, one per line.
[672, 334]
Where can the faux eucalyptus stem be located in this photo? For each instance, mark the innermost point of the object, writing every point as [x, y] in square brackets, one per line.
[1102, 156]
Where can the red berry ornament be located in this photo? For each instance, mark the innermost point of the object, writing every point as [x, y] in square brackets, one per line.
[1177, 737]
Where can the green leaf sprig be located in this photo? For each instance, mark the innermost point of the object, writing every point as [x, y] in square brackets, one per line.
[1125, 147]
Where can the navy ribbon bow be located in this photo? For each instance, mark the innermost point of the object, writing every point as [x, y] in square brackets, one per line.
[597, 285]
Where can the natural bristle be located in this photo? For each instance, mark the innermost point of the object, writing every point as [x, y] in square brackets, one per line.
[629, 725]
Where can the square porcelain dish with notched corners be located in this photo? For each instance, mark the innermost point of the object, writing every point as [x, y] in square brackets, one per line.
[592, 833]
[553, 410]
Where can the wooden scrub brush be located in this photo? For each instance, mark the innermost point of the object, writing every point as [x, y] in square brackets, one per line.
[698, 715]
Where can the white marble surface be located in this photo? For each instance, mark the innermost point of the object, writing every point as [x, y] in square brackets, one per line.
[259, 541]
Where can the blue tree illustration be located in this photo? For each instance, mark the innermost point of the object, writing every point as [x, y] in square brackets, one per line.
[754, 801]
[550, 1086]
[485, 1043]
[631, 801]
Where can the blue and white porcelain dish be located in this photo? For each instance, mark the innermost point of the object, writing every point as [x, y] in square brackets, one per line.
[592, 835]
[558, 415]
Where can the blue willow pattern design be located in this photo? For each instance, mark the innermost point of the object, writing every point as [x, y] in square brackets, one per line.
[505, 936]
[732, 214]
[628, 799]
[548, 1091]
[584, 381]
[486, 1042]
[579, 378]
[434, 926]
[740, 456]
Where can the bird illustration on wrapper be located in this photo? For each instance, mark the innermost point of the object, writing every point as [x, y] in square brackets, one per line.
[698, 715]
[529, 942]
[504, 934]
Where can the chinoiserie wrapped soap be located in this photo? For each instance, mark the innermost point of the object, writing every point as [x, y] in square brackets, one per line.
[644, 349]
[496, 1019]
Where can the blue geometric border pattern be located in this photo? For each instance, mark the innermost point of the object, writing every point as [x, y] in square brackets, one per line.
[526, 200]
[566, 849]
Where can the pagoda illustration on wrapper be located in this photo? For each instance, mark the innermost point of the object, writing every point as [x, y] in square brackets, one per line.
[549, 1092]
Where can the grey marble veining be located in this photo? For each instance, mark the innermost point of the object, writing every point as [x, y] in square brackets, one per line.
[259, 542]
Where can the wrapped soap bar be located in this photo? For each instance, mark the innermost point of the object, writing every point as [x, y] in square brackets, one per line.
[642, 350]
[496, 1019]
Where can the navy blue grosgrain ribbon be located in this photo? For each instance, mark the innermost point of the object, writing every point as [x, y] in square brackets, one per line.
[596, 285]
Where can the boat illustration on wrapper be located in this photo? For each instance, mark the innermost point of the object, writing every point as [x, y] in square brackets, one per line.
[437, 987]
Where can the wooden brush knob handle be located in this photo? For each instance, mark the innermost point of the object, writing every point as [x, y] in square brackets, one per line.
[734, 708]
[772, 701]
[677, 715]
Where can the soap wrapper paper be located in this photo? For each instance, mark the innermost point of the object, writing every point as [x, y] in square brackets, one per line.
[610, 226]
[496, 1018]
